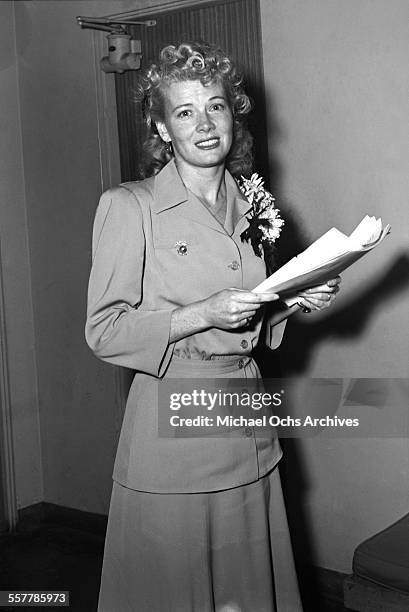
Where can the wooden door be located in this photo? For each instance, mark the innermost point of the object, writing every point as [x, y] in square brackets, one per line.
[234, 25]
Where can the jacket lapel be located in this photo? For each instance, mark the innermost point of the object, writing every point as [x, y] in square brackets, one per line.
[237, 207]
[171, 193]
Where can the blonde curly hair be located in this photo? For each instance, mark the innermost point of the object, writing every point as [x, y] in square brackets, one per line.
[196, 61]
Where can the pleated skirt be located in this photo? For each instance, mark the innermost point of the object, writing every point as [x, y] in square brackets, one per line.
[224, 551]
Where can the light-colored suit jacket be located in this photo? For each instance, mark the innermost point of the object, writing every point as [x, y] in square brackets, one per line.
[156, 247]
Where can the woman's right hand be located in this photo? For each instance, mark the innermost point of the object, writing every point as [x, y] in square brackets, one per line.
[233, 308]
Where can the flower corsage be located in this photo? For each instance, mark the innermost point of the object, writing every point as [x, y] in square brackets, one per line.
[265, 223]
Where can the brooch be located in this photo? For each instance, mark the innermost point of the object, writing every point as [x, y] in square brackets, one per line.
[181, 247]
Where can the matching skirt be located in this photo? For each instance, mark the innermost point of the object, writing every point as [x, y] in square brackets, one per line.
[224, 551]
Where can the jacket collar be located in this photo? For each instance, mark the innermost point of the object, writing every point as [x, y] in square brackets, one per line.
[170, 191]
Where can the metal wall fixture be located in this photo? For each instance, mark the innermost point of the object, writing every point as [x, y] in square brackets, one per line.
[124, 52]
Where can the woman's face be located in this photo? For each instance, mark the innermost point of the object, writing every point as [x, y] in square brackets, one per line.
[199, 122]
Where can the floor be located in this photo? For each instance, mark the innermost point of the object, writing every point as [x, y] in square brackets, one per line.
[53, 558]
[60, 558]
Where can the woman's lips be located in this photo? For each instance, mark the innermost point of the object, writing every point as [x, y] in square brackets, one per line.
[209, 143]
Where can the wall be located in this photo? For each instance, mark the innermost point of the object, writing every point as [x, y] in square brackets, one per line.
[337, 81]
[15, 261]
[62, 183]
[58, 185]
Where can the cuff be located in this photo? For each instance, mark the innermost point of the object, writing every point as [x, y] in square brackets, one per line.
[138, 340]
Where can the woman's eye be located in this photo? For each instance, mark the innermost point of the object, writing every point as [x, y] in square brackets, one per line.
[217, 107]
[184, 113]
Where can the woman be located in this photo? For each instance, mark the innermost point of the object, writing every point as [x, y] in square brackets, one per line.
[195, 524]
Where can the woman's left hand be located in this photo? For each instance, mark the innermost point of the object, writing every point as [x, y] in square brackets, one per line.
[320, 296]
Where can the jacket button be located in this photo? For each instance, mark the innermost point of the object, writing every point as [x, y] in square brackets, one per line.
[234, 265]
[241, 363]
[244, 344]
[248, 432]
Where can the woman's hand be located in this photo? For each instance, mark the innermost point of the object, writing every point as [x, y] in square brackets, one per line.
[320, 296]
[233, 308]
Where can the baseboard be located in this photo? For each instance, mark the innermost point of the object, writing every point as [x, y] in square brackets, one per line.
[46, 514]
[361, 594]
[319, 586]
[331, 584]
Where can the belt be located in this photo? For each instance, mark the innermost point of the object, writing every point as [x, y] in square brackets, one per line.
[207, 367]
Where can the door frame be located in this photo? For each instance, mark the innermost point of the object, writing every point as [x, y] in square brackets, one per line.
[164, 7]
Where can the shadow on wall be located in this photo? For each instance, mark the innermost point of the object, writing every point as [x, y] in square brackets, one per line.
[302, 338]
[350, 321]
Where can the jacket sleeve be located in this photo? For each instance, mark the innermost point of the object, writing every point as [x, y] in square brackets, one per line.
[117, 329]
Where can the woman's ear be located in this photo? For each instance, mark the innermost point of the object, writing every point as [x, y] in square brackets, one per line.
[163, 132]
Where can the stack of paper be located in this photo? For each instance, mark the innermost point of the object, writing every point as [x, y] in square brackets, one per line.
[325, 258]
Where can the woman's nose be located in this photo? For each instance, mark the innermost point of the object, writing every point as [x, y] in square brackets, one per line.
[205, 123]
